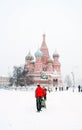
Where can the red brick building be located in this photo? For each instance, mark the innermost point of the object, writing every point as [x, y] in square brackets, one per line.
[44, 69]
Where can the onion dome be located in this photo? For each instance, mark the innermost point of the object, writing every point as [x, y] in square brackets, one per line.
[55, 54]
[38, 53]
[29, 57]
[49, 60]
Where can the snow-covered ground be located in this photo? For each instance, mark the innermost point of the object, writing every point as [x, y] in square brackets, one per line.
[18, 111]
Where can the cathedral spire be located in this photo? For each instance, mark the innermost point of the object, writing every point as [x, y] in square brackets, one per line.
[44, 42]
[44, 37]
[44, 50]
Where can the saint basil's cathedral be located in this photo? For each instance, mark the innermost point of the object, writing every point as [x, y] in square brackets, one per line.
[44, 70]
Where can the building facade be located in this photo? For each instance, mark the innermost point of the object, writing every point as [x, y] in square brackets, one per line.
[44, 69]
[4, 81]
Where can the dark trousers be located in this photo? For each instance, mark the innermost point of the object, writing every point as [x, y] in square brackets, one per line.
[44, 97]
[38, 103]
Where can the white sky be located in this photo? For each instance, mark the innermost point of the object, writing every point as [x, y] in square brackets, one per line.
[22, 23]
[18, 111]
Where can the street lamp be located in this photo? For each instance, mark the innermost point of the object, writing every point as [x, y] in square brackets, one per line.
[73, 80]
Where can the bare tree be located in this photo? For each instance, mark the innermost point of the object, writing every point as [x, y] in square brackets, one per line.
[17, 73]
[21, 77]
[68, 81]
[11, 81]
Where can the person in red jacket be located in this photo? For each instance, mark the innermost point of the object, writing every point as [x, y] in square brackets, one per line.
[38, 95]
[44, 93]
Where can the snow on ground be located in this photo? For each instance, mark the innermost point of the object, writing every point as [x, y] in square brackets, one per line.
[18, 111]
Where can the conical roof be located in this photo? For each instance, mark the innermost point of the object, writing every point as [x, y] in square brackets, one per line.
[43, 42]
[44, 48]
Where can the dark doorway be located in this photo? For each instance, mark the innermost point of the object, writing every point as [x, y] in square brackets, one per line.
[55, 82]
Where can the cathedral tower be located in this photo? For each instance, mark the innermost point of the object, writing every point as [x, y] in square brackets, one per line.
[44, 50]
[38, 62]
[56, 62]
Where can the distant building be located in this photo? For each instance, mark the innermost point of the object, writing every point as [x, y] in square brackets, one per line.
[4, 81]
[44, 69]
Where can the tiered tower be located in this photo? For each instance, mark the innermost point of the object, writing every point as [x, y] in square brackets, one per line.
[44, 50]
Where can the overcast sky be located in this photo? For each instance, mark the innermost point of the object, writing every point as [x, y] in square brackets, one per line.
[23, 22]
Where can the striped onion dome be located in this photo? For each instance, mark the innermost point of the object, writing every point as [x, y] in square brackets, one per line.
[29, 57]
[49, 60]
[55, 54]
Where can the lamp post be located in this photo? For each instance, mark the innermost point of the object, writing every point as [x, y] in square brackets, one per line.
[73, 80]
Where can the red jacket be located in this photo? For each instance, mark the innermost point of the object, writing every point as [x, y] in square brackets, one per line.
[39, 92]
